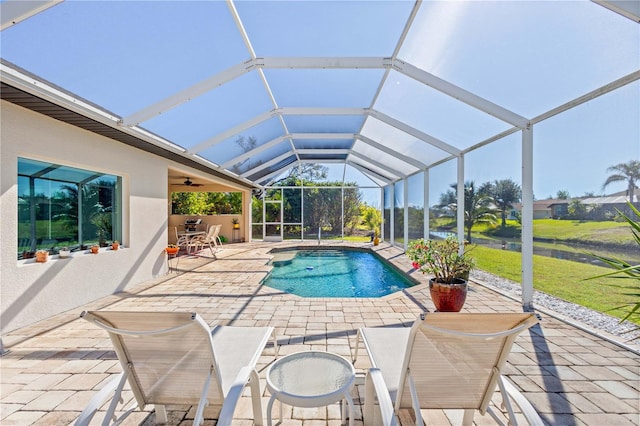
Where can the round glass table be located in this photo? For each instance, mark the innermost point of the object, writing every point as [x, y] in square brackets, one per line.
[311, 379]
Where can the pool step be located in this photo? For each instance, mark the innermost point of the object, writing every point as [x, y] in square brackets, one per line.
[283, 258]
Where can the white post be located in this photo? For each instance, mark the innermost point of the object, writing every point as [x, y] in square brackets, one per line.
[250, 230]
[342, 212]
[527, 217]
[406, 214]
[460, 194]
[381, 214]
[427, 231]
[392, 212]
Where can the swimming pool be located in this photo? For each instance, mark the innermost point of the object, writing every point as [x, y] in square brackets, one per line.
[334, 273]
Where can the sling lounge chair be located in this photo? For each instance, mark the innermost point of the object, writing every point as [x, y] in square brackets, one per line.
[210, 239]
[175, 358]
[451, 361]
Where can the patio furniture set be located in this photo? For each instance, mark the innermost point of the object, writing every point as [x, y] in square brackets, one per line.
[451, 360]
[194, 239]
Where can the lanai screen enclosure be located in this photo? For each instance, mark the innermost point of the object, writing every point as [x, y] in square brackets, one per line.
[381, 92]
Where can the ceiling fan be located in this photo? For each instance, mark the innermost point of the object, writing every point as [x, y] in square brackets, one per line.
[188, 182]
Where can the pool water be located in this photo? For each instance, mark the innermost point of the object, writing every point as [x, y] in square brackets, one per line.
[334, 273]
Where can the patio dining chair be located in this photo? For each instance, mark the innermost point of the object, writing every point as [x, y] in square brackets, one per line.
[449, 361]
[181, 241]
[175, 358]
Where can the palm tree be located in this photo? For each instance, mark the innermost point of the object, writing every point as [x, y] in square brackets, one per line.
[477, 207]
[505, 192]
[629, 172]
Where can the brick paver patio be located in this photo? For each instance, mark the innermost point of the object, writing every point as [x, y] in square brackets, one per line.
[53, 368]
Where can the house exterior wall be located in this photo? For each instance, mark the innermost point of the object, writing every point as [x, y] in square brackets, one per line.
[34, 291]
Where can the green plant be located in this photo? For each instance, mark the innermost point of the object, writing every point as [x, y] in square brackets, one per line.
[235, 221]
[624, 270]
[442, 258]
[172, 246]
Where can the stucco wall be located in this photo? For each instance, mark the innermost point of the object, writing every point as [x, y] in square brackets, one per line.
[33, 291]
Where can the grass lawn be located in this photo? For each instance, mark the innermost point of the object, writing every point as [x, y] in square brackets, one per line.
[576, 231]
[588, 232]
[560, 278]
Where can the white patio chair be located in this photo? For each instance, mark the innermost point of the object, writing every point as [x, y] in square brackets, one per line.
[444, 361]
[211, 240]
[175, 358]
[181, 241]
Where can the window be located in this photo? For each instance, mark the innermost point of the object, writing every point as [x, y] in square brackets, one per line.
[61, 206]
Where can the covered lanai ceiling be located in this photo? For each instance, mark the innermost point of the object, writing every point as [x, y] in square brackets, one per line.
[378, 89]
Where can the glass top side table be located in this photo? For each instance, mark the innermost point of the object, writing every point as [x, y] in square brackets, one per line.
[310, 379]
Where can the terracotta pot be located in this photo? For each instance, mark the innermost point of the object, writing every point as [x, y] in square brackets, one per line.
[448, 297]
[115, 246]
[172, 250]
[95, 249]
[42, 257]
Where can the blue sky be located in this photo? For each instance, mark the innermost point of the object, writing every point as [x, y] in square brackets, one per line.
[526, 56]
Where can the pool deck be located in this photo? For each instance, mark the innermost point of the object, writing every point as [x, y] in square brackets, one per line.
[571, 375]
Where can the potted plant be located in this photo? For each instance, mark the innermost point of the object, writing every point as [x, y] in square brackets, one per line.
[376, 237]
[236, 223]
[450, 267]
[95, 249]
[42, 256]
[64, 252]
[172, 249]
[115, 245]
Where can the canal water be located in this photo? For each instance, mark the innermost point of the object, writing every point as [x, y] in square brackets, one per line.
[577, 253]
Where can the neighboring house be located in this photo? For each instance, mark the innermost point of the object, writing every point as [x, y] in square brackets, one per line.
[544, 209]
[619, 198]
[598, 208]
[607, 206]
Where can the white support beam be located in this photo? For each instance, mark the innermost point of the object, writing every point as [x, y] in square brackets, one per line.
[323, 136]
[368, 172]
[254, 151]
[527, 218]
[185, 95]
[405, 197]
[460, 94]
[14, 12]
[425, 197]
[415, 132]
[622, 81]
[378, 164]
[267, 164]
[323, 63]
[279, 139]
[320, 151]
[381, 210]
[232, 132]
[324, 161]
[396, 154]
[321, 111]
[392, 213]
[460, 201]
